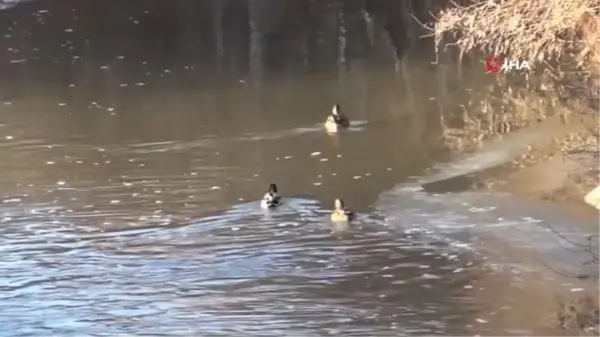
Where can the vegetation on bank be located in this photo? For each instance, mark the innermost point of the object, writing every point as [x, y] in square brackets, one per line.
[562, 36]
[538, 31]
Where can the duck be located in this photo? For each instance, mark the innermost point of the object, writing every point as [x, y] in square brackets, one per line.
[271, 199]
[336, 120]
[341, 213]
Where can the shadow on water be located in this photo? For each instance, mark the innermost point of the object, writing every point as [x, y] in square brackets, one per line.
[134, 158]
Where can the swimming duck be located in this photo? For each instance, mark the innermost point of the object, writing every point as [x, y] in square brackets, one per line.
[341, 213]
[336, 120]
[272, 198]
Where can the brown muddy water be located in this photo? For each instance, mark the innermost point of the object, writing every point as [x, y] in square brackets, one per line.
[130, 186]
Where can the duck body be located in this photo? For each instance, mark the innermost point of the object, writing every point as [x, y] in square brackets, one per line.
[341, 213]
[271, 199]
[336, 120]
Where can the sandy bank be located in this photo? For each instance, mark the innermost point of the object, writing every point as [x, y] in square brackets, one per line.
[555, 159]
[560, 166]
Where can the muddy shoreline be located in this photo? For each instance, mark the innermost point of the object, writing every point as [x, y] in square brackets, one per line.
[555, 160]
[561, 169]
[552, 160]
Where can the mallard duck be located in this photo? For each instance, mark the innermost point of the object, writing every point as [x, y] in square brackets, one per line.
[341, 213]
[336, 120]
[272, 198]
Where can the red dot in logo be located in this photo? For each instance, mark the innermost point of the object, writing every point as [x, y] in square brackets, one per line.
[493, 64]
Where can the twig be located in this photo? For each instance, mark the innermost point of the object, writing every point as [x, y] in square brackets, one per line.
[424, 25]
[580, 276]
[587, 248]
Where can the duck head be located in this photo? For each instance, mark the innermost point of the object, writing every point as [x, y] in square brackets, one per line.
[271, 198]
[273, 189]
[338, 204]
[335, 111]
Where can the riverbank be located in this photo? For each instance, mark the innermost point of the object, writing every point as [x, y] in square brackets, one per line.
[555, 159]
[561, 167]
[546, 158]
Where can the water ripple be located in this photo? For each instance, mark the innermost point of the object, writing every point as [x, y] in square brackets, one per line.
[296, 277]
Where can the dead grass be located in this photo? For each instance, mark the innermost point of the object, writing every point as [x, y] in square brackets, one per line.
[578, 315]
[534, 30]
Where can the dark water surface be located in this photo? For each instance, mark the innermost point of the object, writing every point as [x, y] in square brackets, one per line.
[130, 186]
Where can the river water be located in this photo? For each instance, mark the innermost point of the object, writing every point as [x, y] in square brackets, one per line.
[130, 186]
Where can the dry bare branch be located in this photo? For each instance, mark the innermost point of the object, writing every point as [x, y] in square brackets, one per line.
[532, 30]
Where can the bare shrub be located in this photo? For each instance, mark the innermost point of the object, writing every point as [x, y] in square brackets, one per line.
[533, 30]
[578, 315]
